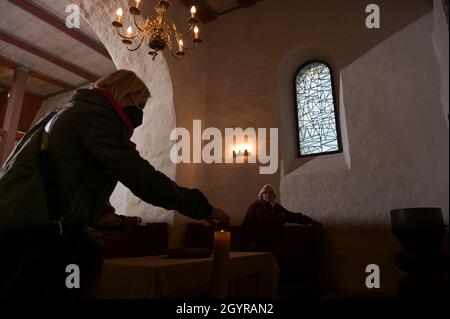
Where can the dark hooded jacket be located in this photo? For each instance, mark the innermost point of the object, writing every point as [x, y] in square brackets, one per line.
[264, 223]
[91, 151]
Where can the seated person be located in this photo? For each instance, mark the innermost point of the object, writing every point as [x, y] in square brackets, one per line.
[264, 222]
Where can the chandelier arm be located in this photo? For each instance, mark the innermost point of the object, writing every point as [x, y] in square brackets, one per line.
[188, 48]
[176, 57]
[126, 37]
[137, 25]
[179, 36]
[187, 32]
[138, 46]
[174, 27]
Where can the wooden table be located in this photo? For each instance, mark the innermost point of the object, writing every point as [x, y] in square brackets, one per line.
[251, 275]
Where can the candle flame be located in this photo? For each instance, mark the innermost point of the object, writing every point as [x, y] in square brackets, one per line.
[130, 30]
[181, 42]
[119, 12]
[193, 10]
[196, 29]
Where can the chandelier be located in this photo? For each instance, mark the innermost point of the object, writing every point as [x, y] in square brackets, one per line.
[158, 32]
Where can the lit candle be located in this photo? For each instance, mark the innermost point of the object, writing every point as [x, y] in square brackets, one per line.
[220, 264]
[196, 32]
[138, 3]
[180, 47]
[129, 32]
[193, 11]
[119, 13]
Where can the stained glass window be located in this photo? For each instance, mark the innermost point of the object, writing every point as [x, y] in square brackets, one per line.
[318, 131]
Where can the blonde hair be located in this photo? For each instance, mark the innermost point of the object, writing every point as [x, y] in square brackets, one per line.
[262, 191]
[123, 83]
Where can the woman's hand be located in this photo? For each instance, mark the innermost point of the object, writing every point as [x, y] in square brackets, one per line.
[218, 218]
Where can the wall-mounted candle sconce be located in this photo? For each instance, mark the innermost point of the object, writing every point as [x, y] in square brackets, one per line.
[244, 153]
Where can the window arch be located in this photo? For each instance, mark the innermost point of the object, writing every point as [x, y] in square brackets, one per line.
[317, 122]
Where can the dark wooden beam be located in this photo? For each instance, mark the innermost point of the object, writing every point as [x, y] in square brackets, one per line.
[37, 75]
[33, 95]
[7, 63]
[47, 56]
[247, 3]
[58, 23]
[204, 11]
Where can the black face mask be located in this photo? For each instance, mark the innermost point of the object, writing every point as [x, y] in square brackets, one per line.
[135, 114]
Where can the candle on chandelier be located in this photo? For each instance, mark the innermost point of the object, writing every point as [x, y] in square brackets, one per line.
[180, 47]
[138, 2]
[129, 32]
[193, 11]
[196, 32]
[119, 13]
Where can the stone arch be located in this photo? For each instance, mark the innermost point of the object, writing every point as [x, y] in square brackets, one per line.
[152, 138]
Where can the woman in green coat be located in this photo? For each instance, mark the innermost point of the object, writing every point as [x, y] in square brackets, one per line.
[61, 174]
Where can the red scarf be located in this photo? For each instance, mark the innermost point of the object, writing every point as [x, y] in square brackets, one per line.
[116, 106]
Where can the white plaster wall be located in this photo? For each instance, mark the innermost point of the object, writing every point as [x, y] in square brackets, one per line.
[245, 51]
[398, 142]
[159, 117]
[440, 42]
[189, 95]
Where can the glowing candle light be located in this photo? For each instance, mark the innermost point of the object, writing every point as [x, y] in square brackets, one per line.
[193, 11]
[220, 264]
[119, 13]
[138, 2]
[196, 32]
[129, 31]
[180, 47]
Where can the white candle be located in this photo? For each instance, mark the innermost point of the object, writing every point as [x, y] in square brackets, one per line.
[138, 3]
[193, 11]
[196, 32]
[221, 256]
[119, 13]
[180, 47]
